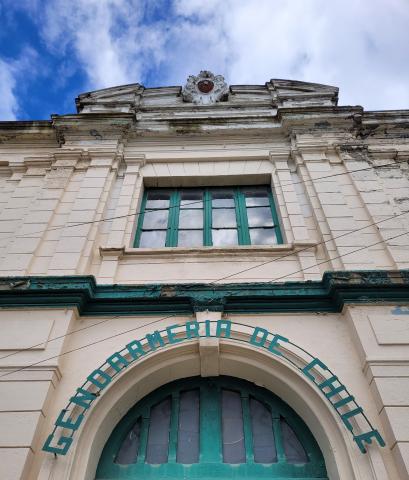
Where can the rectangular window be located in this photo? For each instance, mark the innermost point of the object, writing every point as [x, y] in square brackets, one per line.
[213, 216]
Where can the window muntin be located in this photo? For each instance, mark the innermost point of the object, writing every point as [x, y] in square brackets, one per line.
[204, 427]
[207, 217]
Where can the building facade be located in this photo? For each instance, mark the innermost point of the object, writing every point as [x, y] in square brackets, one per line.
[205, 282]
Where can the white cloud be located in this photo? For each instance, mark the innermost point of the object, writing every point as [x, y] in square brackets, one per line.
[12, 71]
[108, 37]
[8, 104]
[360, 47]
[357, 45]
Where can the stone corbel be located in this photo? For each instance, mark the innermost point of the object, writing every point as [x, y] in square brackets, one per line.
[279, 158]
[37, 166]
[69, 158]
[313, 153]
[112, 252]
[382, 156]
[100, 158]
[402, 157]
[295, 159]
[134, 163]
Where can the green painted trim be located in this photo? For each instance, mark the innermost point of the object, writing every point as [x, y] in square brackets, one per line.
[242, 222]
[335, 290]
[240, 209]
[207, 218]
[276, 220]
[140, 220]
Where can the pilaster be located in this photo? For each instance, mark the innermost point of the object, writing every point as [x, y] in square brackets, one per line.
[125, 218]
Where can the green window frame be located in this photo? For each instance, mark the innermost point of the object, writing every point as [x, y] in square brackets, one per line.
[240, 207]
[211, 440]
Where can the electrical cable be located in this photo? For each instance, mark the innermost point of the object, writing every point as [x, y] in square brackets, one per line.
[136, 214]
[164, 318]
[228, 276]
[87, 345]
[309, 247]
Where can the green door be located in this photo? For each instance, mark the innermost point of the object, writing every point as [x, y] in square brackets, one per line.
[211, 428]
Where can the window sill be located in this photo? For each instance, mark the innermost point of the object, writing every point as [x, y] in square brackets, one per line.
[232, 251]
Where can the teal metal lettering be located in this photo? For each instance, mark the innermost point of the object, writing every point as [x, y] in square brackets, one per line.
[333, 390]
[171, 335]
[63, 442]
[102, 375]
[68, 423]
[367, 438]
[259, 338]
[347, 415]
[343, 401]
[274, 343]
[223, 326]
[155, 340]
[83, 398]
[311, 365]
[117, 361]
[135, 349]
[192, 329]
[254, 340]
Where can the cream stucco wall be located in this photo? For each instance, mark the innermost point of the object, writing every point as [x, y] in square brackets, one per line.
[70, 190]
[367, 359]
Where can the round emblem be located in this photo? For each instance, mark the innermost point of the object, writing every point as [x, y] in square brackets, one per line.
[205, 86]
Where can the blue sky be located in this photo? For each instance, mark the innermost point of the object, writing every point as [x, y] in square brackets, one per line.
[52, 50]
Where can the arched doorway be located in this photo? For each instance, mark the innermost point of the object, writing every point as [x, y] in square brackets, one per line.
[211, 428]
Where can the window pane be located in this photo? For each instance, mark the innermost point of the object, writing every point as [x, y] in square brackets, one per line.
[257, 196]
[188, 432]
[232, 426]
[263, 437]
[190, 238]
[158, 199]
[128, 451]
[154, 239]
[191, 219]
[224, 237]
[223, 198]
[155, 219]
[223, 218]
[158, 438]
[263, 236]
[293, 449]
[260, 217]
[191, 199]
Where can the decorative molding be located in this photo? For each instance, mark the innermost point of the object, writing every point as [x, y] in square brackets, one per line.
[172, 252]
[205, 88]
[328, 295]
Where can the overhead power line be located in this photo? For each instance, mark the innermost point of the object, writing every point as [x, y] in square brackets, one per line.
[169, 316]
[227, 276]
[136, 214]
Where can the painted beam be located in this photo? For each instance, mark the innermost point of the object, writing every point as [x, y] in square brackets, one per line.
[328, 295]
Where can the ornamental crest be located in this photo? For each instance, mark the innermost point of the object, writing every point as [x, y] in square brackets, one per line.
[205, 88]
